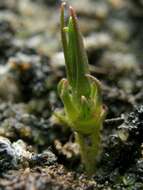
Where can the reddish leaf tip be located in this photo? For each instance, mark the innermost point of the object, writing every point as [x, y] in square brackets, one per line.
[72, 12]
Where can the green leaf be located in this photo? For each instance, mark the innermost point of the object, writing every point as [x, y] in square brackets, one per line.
[84, 111]
[71, 110]
[75, 55]
[64, 30]
[85, 108]
[78, 57]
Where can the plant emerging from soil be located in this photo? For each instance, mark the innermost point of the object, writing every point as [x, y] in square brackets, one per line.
[80, 93]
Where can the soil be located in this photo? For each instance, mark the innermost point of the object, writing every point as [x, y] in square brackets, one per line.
[38, 153]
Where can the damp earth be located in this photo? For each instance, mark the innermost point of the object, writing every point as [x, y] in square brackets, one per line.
[36, 152]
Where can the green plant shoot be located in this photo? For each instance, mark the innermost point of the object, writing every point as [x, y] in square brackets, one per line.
[80, 94]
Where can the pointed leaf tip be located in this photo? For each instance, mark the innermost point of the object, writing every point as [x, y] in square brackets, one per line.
[63, 4]
[72, 12]
[92, 78]
[73, 15]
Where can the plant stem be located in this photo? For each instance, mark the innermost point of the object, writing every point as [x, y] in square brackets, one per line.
[89, 149]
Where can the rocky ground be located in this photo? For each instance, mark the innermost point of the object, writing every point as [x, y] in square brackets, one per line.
[35, 151]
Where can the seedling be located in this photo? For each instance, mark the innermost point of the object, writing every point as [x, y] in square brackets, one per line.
[80, 94]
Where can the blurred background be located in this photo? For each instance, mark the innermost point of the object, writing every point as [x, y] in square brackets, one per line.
[108, 25]
[30, 41]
